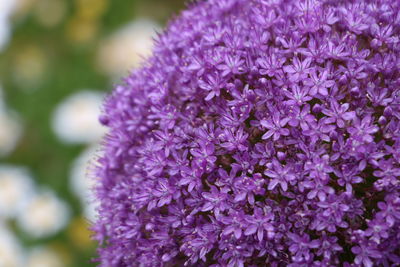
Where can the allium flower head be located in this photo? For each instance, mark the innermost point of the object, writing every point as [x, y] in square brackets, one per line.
[260, 133]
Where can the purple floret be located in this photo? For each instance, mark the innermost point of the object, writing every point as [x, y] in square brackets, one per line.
[260, 133]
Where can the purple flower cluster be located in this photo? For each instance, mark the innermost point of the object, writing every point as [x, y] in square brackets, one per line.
[260, 133]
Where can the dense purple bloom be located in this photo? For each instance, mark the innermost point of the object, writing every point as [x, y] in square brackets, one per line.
[300, 247]
[319, 83]
[365, 253]
[338, 113]
[299, 70]
[328, 246]
[260, 223]
[279, 174]
[275, 127]
[260, 133]
[348, 175]
[363, 129]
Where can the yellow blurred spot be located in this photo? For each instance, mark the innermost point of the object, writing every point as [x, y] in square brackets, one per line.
[62, 251]
[83, 26]
[91, 9]
[81, 30]
[29, 66]
[49, 13]
[80, 234]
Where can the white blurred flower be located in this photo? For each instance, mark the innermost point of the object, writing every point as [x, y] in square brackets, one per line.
[82, 180]
[49, 13]
[11, 253]
[4, 32]
[6, 9]
[10, 131]
[75, 120]
[125, 49]
[16, 187]
[44, 257]
[43, 215]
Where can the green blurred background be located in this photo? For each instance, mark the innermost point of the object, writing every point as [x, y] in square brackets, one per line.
[57, 60]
